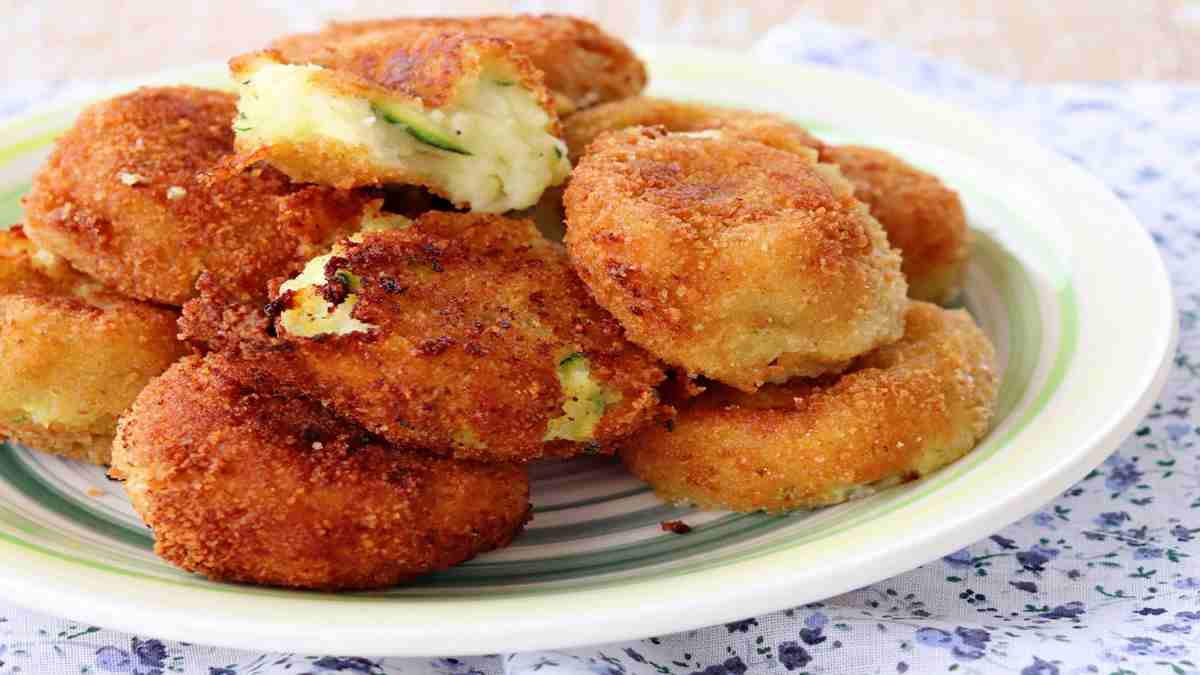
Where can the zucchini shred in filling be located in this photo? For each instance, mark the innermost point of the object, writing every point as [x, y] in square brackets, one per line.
[490, 147]
[586, 400]
[309, 311]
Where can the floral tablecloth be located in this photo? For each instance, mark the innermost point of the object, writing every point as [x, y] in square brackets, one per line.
[1106, 579]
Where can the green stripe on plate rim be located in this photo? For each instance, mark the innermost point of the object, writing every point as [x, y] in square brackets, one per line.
[1016, 379]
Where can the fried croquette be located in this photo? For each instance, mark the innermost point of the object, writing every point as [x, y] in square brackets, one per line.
[582, 64]
[581, 128]
[923, 218]
[464, 334]
[75, 354]
[258, 488]
[731, 259]
[898, 413]
[467, 117]
[132, 195]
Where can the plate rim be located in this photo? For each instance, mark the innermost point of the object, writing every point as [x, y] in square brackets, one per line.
[671, 608]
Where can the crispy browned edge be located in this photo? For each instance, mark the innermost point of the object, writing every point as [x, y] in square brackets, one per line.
[432, 331]
[798, 445]
[149, 243]
[268, 489]
[582, 128]
[62, 333]
[580, 61]
[924, 218]
[429, 67]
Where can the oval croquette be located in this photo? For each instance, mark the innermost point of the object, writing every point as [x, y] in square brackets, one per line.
[133, 195]
[240, 486]
[582, 64]
[74, 354]
[465, 334]
[900, 412]
[923, 218]
[731, 259]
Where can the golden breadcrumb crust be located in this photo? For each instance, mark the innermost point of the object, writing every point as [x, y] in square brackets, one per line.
[582, 64]
[26, 268]
[923, 218]
[899, 412]
[472, 316]
[74, 354]
[581, 128]
[250, 487]
[133, 196]
[729, 258]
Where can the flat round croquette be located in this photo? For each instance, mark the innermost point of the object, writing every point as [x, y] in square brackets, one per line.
[257, 488]
[74, 354]
[923, 218]
[582, 64]
[731, 259]
[898, 413]
[133, 195]
[464, 334]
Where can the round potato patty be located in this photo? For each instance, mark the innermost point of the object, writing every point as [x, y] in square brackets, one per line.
[923, 218]
[242, 486]
[729, 258]
[900, 412]
[582, 65]
[74, 354]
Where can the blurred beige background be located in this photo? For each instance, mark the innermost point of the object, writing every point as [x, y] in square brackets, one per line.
[1056, 40]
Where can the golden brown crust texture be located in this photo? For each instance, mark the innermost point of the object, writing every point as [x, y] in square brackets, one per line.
[923, 218]
[410, 61]
[581, 63]
[133, 196]
[901, 411]
[240, 486]
[74, 354]
[581, 128]
[472, 315]
[729, 258]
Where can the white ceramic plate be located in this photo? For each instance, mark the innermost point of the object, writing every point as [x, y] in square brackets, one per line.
[1063, 278]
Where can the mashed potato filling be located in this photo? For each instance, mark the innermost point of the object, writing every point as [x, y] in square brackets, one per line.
[489, 148]
[586, 401]
[309, 314]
